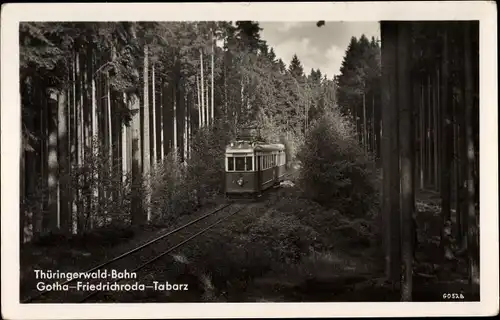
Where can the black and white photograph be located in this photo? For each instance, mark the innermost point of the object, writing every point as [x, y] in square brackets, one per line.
[219, 159]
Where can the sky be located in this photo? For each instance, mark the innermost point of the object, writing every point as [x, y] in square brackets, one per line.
[322, 48]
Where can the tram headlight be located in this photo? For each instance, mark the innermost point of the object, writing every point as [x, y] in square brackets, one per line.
[240, 181]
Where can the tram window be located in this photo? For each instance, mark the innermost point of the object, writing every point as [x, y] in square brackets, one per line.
[230, 164]
[240, 163]
[249, 164]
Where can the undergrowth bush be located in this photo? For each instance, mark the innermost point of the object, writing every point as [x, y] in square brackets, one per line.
[99, 199]
[336, 172]
[171, 193]
[103, 193]
[282, 235]
[206, 162]
[251, 245]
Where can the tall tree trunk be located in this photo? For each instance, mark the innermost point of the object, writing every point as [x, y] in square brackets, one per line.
[73, 140]
[212, 86]
[356, 121]
[40, 218]
[22, 178]
[32, 170]
[189, 128]
[64, 203]
[437, 106]
[422, 136]
[200, 109]
[472, 221]
[429, 128]
[94, 145]
[157, 118]
[136, 203]
[174, 121]
[110, 121]
[207, 109]
[146, 162]
[463, 152]
[446, 149]
[153, 111]
[242, 97]
[169, 109]
[390, 154]
[162, 122]
[226, 102]
[137, 212]
[456, 166]
[180, 118]
[86, 123]
[407, 146]
[365, 133]
[81, 140]
[374, 135]
[185, 130]
[53, 169]
[202, 81]
[125, 151]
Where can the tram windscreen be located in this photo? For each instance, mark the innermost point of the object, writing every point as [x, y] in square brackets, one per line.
[240, 163]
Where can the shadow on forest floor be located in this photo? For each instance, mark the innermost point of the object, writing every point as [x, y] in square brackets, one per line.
[433, 274]
[241, 258]
[78, 253]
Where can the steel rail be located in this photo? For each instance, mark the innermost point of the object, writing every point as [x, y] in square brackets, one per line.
[168, 251]
[29, 299]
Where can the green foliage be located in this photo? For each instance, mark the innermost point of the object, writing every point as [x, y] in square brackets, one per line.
[335, 170]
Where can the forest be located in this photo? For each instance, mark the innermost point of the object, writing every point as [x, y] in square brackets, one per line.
[124, 125]
[430, 79]
[104, 103]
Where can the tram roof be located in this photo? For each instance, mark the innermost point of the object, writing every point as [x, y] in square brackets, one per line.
[270, 147]
[247, 147]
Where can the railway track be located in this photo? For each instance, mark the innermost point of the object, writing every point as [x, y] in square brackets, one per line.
[79, 289]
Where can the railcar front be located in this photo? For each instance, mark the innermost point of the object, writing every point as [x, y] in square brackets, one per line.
[241, 176]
